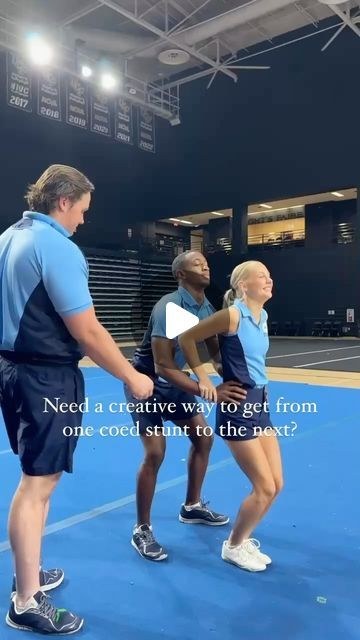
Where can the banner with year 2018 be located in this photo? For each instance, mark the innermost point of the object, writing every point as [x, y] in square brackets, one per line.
[18, 77]
[76, 102]
[49, 104]
[146, 130]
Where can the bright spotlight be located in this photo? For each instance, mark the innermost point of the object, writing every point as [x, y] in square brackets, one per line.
[39, 50]
[86, 71]
[108, 81]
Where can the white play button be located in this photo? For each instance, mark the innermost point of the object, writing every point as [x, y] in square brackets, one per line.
[178, 320]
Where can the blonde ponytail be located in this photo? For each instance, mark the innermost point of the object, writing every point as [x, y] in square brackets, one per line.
[239, 274]
[229, 298]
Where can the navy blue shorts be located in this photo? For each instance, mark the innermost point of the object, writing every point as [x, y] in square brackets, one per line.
[164, 392]
[34, 429]
[249, 419]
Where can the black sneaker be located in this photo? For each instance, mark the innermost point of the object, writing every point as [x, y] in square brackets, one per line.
[49, 579]
[201, 514]
[144, 542]
[43, 617]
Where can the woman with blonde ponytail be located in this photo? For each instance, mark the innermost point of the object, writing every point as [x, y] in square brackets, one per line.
[247, 430]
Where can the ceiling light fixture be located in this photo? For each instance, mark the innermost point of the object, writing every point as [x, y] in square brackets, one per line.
[86, 71]
[40, 51]
[257, 213]
[178, 220]
[108, 81]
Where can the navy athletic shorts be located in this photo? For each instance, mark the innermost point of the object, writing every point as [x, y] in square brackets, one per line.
[34, 429]
[249, 419]
[164, 392]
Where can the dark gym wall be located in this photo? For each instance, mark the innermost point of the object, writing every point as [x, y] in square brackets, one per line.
[306, 283]
[284, 132]
[275, 134]
[322, 222]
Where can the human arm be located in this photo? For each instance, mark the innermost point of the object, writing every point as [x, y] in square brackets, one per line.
[225, 321]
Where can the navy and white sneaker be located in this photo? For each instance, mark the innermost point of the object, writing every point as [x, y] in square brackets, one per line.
[42, 617]
[145, 544]
[201, 514]
[49, 579]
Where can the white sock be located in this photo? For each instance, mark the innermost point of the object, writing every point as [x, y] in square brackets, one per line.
[189, 507]
[30, 604]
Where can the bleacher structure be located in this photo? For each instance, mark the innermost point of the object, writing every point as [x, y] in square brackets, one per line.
[124, 290]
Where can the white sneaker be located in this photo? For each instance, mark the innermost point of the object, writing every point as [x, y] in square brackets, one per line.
[241, 557]
[253, 547]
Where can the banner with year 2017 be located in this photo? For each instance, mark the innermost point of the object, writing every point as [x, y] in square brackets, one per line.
[49, 104]
[18, 77]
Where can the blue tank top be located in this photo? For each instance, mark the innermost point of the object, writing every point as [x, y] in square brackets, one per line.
[243, 353]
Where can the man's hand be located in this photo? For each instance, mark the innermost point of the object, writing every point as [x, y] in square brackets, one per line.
[231, 392]
[141, 386]
[207, 389]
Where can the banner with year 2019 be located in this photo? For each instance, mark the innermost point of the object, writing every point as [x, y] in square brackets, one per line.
[18, 79]
[76, 102]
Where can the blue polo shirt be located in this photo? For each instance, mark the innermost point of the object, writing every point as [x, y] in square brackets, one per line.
[244, 352]
[43, 278]
[143, 357]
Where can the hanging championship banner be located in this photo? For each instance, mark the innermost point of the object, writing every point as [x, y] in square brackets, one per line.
[76, 102]
[146, 130]
[100, 113]
[49, 105]
[124, 121]
[18, 82]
